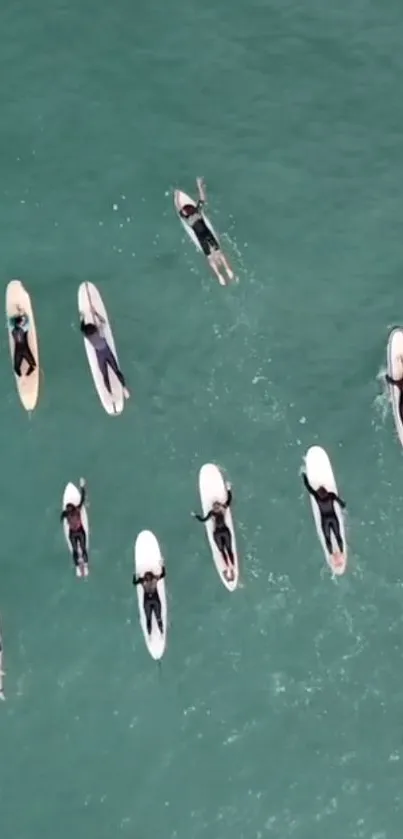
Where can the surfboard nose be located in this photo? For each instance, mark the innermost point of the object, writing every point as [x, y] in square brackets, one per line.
[144, 537]
[313, 450]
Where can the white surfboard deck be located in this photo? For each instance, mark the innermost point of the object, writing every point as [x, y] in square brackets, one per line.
[395, 369]
[90, 301]
[212, 488]
[72, 495]
[320, 473]
[27, 386]
[147, 557]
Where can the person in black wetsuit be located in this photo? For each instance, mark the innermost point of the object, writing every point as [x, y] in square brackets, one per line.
[329, 521]
[104, 354]
[192, 214]
[221, 532]
[19, 328]
[77, 535]
[399, 384]
[151, 602]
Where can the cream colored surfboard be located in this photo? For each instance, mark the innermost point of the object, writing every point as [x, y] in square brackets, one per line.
[18, 301]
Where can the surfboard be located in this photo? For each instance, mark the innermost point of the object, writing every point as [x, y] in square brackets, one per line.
[89, 302]
[212, 488]
[147, 557]
[320, 473]
[72, 495]
[395, 369]
[180, 200]
[27, 386]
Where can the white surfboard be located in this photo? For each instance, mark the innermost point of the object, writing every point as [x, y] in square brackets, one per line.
[72, 495]
[180, 200]
[147, 557]
[320, 473]
[212, 488]
[395, 369]
[89, 303]
[27, 386]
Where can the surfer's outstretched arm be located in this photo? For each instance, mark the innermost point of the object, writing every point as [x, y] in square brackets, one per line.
[308, 486]
[137, 580]
[202, 191]
[82, 493]
[99, 317]
[202, 518]
[335, 497]
[229, 496]
[162, 574]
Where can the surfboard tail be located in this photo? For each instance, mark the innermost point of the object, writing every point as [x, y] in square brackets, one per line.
[339, 563]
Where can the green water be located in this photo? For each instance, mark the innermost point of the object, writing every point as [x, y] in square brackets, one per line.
[277, 712]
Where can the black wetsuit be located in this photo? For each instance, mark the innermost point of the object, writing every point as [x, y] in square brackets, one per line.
[77, 535]
[151, 601]
[105, 356]
[221, 533]
[329, 520]
[22, 350]
[192, 215]
[399, 384]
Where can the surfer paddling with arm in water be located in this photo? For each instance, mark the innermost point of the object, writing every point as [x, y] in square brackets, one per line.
[77, 535]
[329, 521]
[399, 384]
[221, 532]
[193, 216]
[19, 328]
[104, 354]
[151, 602]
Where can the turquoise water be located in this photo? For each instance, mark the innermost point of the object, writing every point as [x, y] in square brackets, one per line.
[277, 710]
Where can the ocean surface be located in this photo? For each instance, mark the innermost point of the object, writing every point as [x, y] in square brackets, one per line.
[277, 711]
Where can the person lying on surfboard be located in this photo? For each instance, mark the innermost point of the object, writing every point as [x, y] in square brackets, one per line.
[151, 602]
[329, 521]
[221, 532]
[104, 354]
[399, 384]
[77, 535]
[193, 216]
[19, 327]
